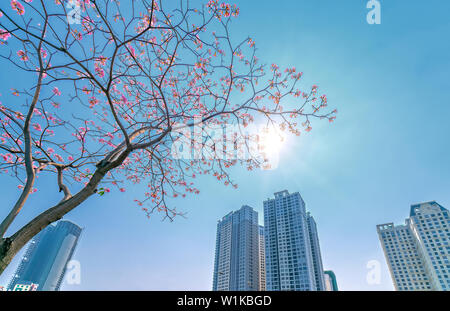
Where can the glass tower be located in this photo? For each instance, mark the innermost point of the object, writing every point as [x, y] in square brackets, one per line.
[45, 260]
[236, 265]
[293, 260]
[418, 252]
[330, 281]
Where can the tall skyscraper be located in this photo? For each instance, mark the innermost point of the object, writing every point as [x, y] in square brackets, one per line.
[45, 260]
[292, 262]
[418, 252]
[262, 260]
[330, 281]
[315, 251]
[236, 265]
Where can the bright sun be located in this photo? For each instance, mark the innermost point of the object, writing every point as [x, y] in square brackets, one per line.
[271, 140]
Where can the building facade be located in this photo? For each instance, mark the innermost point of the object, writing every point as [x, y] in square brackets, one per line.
[292, 248]
[330, 281]
[418, 252]
[315, 252]
[44, 264]
[262, 260]
[237, 263]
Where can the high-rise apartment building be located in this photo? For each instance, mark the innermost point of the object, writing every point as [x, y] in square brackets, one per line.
[44, 264]
[315, 252]
[237, 264]
[262, 260]
[293, 260]
[418, 252]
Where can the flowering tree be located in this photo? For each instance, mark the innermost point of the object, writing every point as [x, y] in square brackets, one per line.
[113, 88]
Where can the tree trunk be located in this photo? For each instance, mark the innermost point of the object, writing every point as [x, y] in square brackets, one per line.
[9, 247]
[3, 253]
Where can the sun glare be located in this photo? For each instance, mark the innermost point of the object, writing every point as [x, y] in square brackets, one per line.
[272, 140]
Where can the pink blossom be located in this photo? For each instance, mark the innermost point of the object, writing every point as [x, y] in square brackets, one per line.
[19, 115]
[58, 157]
[93, 101]
[23, 56]
[100, 72]
[4, 35]
[87, 25]
[7, 157]
[56, 91]
[17, 6]
[37, 127]
[102, 60]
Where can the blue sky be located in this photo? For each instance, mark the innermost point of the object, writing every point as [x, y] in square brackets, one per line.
[387, 149]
